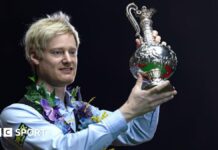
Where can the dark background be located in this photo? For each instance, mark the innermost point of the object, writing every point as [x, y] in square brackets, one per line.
[189, 122]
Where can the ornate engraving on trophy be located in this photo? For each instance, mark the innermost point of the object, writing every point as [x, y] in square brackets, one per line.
[155, 61]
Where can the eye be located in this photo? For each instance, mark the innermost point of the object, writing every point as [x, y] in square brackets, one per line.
[57, 52]
[73, 52]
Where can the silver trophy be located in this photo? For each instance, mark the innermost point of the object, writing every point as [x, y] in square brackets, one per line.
[155, 61]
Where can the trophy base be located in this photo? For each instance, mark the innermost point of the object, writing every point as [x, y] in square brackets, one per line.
[147, 86]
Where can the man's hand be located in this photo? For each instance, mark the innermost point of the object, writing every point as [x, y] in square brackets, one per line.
[156, 39]
[143, 101]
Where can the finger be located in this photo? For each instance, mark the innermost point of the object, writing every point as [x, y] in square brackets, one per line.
[160, 87]
[161, 101]
[159, 97]
[154, 33]
[164, 43]
[139, 81]
[157, 39]
[138, 43]
[165, 94]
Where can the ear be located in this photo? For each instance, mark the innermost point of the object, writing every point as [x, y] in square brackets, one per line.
[34, 58]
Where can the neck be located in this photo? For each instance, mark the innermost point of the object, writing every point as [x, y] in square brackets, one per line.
[59, 91]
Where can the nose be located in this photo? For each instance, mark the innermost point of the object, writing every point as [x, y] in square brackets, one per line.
[67, 58]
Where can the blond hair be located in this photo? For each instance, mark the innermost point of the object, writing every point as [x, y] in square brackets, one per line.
[43, 30]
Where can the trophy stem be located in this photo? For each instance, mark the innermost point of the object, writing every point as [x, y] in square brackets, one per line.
[146, 25]
[146, 86]
[153, 78]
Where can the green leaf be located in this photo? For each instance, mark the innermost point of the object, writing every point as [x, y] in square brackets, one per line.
[37, 92]
[75, 91]
[51, 98]
[33, 78]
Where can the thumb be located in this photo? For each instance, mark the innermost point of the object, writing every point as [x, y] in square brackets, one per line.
[139, 80]
[138, 43]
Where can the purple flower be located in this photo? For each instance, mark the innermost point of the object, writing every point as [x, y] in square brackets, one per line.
[49, 112]
[82, 109]
[63, 126]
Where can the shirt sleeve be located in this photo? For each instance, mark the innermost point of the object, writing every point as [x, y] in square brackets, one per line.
[95, 137]
[140, 129]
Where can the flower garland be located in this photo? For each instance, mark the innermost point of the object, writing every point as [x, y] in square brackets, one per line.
[45, 103]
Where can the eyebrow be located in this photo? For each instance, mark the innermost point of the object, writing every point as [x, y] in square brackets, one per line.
[61, 48]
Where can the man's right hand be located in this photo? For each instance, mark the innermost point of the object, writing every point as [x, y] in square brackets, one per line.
[143, 101]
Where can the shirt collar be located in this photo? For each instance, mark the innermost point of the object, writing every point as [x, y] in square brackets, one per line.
[67, 99]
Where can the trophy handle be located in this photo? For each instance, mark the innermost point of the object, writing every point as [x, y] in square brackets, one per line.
[132, 7]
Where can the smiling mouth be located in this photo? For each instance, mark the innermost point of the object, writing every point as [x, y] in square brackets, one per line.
[66, 70]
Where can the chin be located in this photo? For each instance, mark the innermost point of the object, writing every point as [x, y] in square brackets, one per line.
[68, 81]
[63, 83]
[65, 80]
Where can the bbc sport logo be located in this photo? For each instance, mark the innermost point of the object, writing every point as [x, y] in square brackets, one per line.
[8, 132]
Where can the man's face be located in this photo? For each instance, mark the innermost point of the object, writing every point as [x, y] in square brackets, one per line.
[58, 64]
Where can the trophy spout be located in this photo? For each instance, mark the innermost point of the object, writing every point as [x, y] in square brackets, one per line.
[145, 22]
[133, 7]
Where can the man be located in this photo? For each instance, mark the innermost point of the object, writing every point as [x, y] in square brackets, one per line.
[51, 47]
